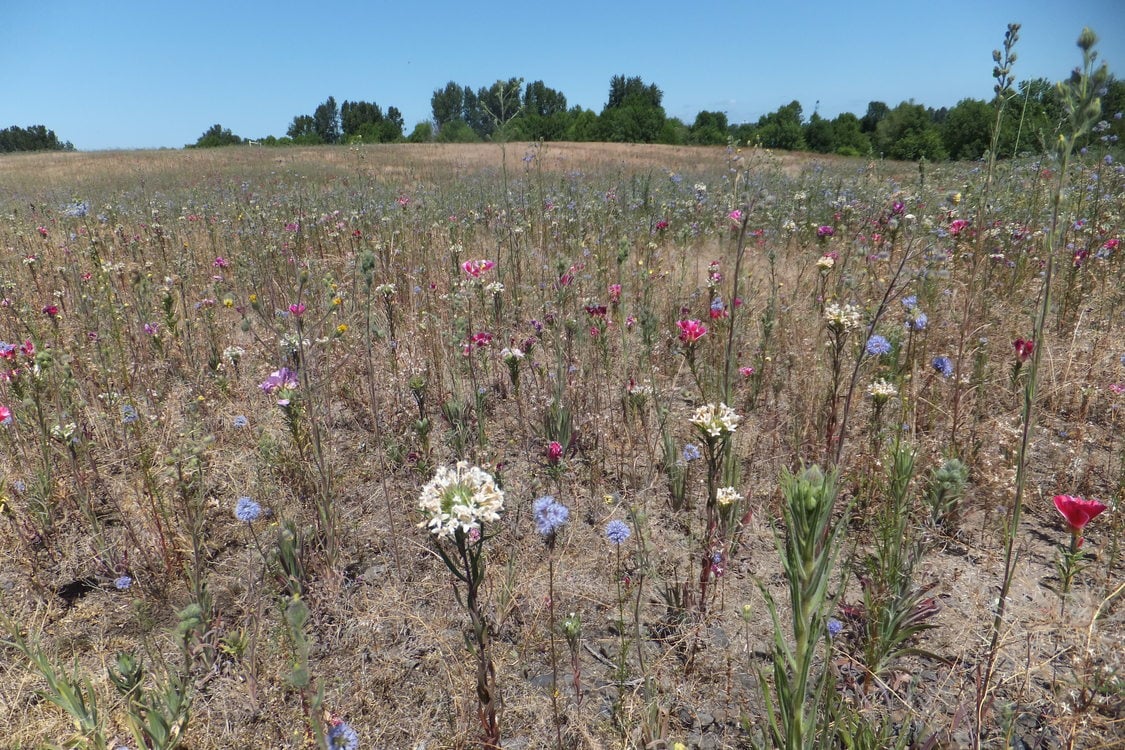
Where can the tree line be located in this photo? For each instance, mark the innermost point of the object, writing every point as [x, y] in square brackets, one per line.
[512, 111]
[32, 138]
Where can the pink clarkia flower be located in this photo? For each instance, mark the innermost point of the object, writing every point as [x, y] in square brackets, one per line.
[691, 330]
[957, 226]
[554, 451]
[297, 309]
[474, 268]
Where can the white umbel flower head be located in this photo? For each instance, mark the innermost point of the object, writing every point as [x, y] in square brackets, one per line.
[880, 391]
[842, 318]
[716, 420]
[459, 497]
[727, 495]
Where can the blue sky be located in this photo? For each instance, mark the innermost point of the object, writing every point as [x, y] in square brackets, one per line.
[127, 74]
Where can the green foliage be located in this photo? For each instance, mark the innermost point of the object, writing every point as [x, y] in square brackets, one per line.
[909, 133]
[709, 129]
[633, 113]
[967, 129]
[423, 133]
[782, 128]
[32, 138]
[216, 136]
[326, 121]
[303, 130]
[457, 131]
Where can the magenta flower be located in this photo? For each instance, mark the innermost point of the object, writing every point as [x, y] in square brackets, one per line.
[279, 379]
[1078, 511]
[220, 262]
[825, 231]
[554, 451]
[1024, 349]
[297, 309]
[474, 268]
[5, 415]
[691, 330]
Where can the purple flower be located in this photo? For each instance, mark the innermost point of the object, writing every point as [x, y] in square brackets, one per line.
[943, 365]
[825, 231]
[691, 453]
[878, 345]
[834, 627]
[550, 516]
[342, 737]
[918, 321]
[122, 583]
[617, 531]
[278, 379]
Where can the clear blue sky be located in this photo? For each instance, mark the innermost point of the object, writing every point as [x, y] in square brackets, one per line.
[128, 74]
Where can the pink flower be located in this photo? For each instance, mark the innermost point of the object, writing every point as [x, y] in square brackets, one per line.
[481, 339]
[746, 371]
[297, 309]
[51, 311]
[554, 451]
[220, 262]
[42, 231]
[596, 311]
[614, 293]
[1112, 244]
[474, 268]
[825, 231]
[1024, 349]
[735, 216]
[691, 330]
[661, 225]
[957, 226]
[1077, 511]
[1117, 388]
[5, 415]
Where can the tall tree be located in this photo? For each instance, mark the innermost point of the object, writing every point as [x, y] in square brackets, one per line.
[633, 113]
[447, 104]
[303, 130]
[326, 121]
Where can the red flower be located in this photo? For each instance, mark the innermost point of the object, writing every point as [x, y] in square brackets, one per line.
[51, 311]
[661, 225]
[691, 330]
[1077, 511]
[1024, 349]
[5, 415]
[554, 451]
[957, 226]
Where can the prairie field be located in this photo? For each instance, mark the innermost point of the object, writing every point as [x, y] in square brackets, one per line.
[278, 425]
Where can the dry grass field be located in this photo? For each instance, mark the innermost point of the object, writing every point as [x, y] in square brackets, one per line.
[315, 330]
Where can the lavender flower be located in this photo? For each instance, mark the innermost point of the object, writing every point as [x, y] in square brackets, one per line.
[342, 737]
[617, 531]
[240, 421]
[550, 516]
[943, 365]
[279, 379]
[691, 453]
[834, 627]
[129, 414]
[878, 345]
[122, 583]
[918, 321]
[247, 511]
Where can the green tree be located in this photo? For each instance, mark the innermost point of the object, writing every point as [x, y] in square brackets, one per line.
[709, 129]
[967, 131]
[423, 133]
[303, 130]
[498, 106]
[457, 131]
[908, 133]
[216, 135]
[633, 113]
[583, 125]
[32, 138]
[447, 104]
[820, 136]
[849, 136]
[326, 121]
[545, 116]
[782, 128]
[876, 112]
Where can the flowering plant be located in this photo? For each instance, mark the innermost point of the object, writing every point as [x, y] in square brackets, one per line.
[1078, 512]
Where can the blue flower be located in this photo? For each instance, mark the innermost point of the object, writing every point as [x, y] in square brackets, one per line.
[240, 421]
[943, 365]
[247, 511]
[122, 583]
[691, 453]
[128, 413]
[550, 515]
[834, 627]
[910, 302]
[918, 322]
[617, 531]
[342, 737]
[878, 345]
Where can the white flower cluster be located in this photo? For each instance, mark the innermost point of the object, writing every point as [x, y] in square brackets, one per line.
[511, 354]
[727, 495]
[843, 318]
[881, 390]
[460, 497]
[716, 420]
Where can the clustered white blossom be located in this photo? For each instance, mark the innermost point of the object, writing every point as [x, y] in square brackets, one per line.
[881, 390]
[460, 497]
[843, 318]
[727, 495]
[511, 354]
[716, 420]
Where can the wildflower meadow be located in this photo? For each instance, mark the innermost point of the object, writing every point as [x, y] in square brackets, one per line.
[536, 445]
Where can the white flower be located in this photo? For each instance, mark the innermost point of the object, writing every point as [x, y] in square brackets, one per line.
[716, 420]
[511, 354]
[825, 262]
[881, 390]
[495, 287]
[461, 497]
[842, 318]
[727, 495]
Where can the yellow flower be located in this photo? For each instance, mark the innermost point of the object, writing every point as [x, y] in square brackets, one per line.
[342, 328]
[253, 299]
[228, 302]
[337, 301]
